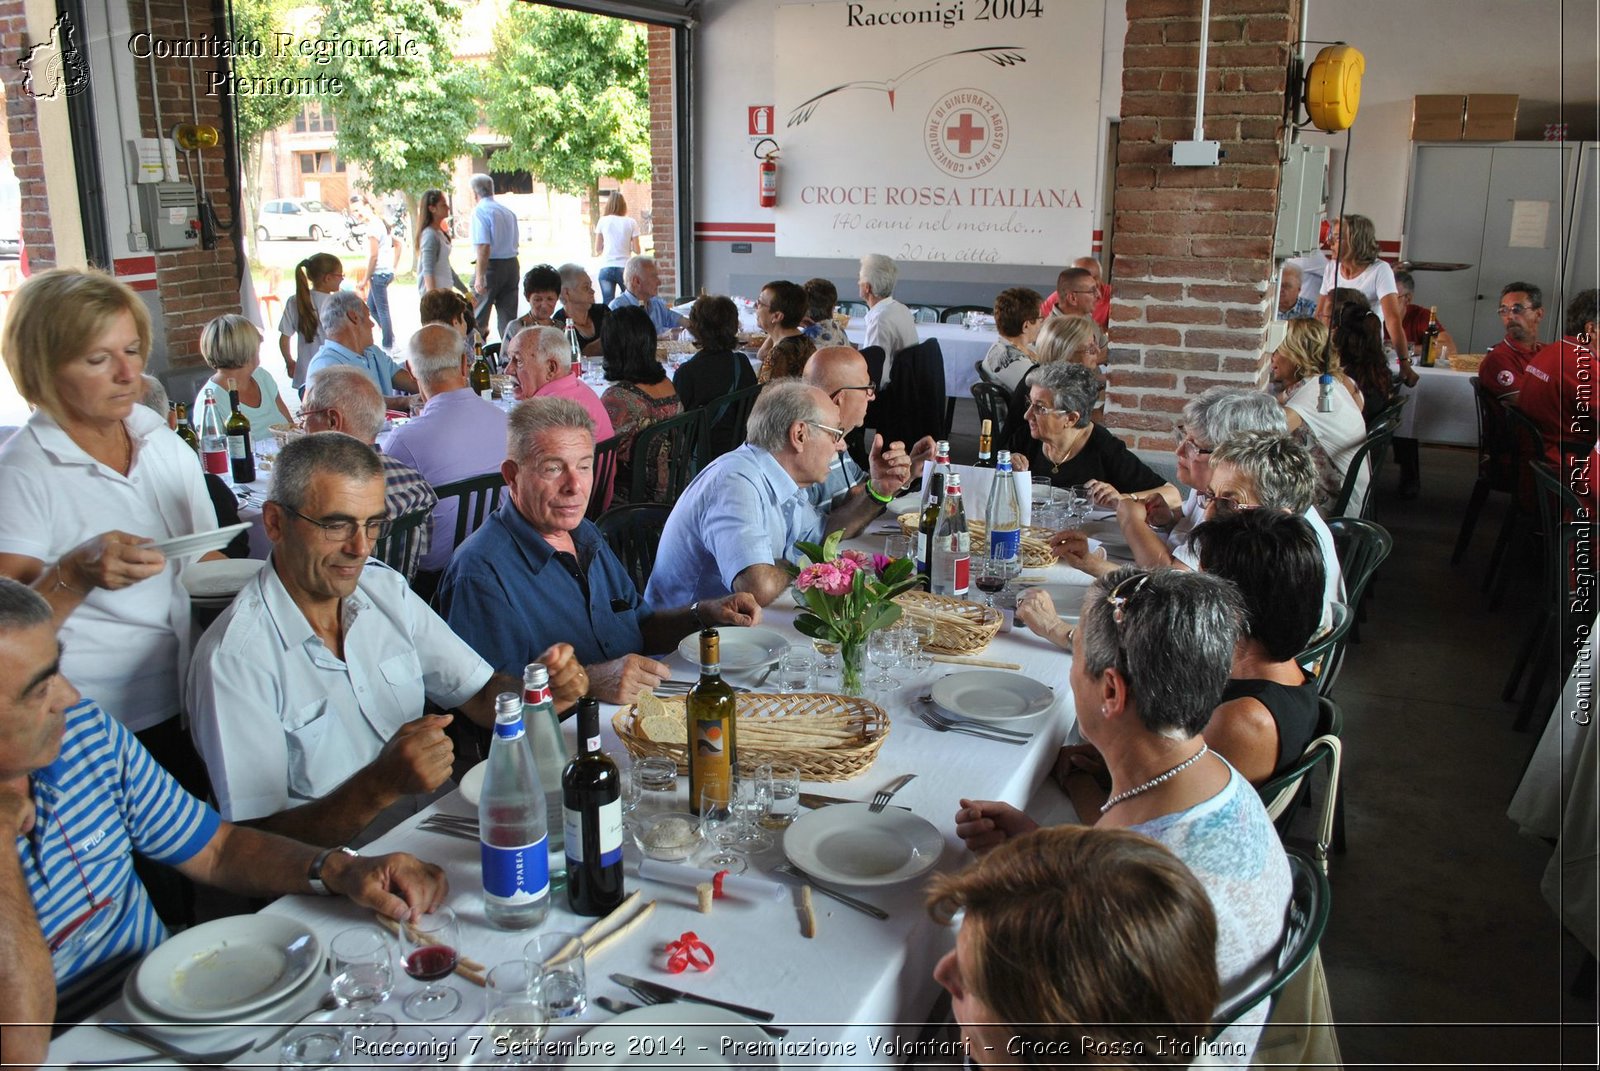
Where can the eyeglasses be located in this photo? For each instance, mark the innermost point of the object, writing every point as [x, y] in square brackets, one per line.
[1040, 409]
[345, 530]
[837, 433]
[1514, 310]
[1094, 291]
[1223, 503]
[1187, 445]
[307, 414]
[872, 392]
[80, 925]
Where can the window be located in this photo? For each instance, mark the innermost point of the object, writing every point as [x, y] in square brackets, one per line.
[320, 163]
[314, 119]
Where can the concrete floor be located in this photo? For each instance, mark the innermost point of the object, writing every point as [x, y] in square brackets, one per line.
[1440, 949]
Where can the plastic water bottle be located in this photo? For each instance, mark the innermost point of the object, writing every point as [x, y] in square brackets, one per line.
[1005, 512]
[544, 733]
[512, 824]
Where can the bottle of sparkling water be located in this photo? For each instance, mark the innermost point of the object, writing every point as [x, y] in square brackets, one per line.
[512, 824]
[950, 564]
[1005, 512]
[544, 732]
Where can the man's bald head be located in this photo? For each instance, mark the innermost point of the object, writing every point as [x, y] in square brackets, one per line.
[841, 373]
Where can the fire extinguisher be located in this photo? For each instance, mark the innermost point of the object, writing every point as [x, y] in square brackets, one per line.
[767, 173]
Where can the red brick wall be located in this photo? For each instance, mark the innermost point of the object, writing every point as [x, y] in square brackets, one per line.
[663, 178]
[22, 126]
[1194, 245]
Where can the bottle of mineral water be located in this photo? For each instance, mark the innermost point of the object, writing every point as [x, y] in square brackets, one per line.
[949, 556]
[544, 733]
[1005, 512]
[512, 824]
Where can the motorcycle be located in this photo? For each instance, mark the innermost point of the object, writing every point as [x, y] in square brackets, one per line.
[355, 233]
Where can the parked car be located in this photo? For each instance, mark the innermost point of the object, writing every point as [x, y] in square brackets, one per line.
[299, 217]
[10, 213]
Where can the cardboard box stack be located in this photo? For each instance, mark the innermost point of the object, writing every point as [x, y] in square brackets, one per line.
[1490, 117]
[1437, 116]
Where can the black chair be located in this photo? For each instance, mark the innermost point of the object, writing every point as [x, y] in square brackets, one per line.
[984, 375]
[953, 313]
[914, 403]
[726, 415]
[1497, 464]
[994, 403]
[398, 548]
[1366, 455]
[854, 308]
[1559, 510]
[1361, 546]
[1324, 656]
[924, 314]
[677, 440]
[605, 471]
[478, 496]
[1527, 447]
[1304, 924]
[1284, 794]
[634, 532]
[491, 353]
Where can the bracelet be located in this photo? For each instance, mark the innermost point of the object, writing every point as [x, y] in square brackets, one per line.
[61, 582]
[883, 499]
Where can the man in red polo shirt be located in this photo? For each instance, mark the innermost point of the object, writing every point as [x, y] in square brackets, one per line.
[1414, 317]
[1521, 309]
[1558, 386]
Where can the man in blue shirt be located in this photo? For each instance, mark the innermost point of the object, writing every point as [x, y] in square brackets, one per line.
[538, 573]
[494, 280]
[642, 280]
[744, 512]
[347, 340]
[81, 796]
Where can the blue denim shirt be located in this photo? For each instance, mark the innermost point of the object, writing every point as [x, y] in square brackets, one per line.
[507, 596]
[661, 313]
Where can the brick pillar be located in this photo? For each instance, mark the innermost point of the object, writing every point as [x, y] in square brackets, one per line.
[1194, 244]
[663, 156]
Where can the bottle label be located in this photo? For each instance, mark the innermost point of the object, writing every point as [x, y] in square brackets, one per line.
[610, 847]
[237, 449]
[532, 697]
[519, 875]
[963, 567]
[509, 730]
[709, 740]
[1005, 544]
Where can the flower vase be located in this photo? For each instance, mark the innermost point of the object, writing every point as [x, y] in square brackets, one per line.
[853, 660]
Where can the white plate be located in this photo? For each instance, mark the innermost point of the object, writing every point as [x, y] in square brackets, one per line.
[905, 504]
[991, 695]
[225, 968]
[472, 782]
[1109, 534]
[701, 1027]
[220, 579]
[742, 648]
[192, 546]
[847, 844]
[194, 1035]
[1068, 598]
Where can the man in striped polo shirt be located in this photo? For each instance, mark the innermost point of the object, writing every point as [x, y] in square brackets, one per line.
[81, 796]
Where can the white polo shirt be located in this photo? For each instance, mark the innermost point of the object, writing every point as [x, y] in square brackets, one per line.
[126, 649]
[280, 720]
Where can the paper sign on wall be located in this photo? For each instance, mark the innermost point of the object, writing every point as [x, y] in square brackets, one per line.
[1530, 224]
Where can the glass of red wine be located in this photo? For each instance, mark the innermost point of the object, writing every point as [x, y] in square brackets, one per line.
[429, 942]
[990, 576]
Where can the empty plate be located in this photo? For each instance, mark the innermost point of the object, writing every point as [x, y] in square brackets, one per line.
[991, 695]
[227, 967]
[674, 1034]
[847, 844]
[220, 579]
[742, 648]
[192, 546]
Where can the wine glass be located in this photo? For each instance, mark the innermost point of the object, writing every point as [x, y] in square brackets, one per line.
[883, 649]
[430, 943]
[719, 825]
[989, 576]
[363, 978]
[785, 777]
[516, 1013]
[752, 802]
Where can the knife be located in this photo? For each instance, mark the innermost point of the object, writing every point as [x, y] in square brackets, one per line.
[665, 992]
[813, 800]
[183, 1056]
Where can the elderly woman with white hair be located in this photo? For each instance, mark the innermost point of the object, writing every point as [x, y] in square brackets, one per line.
[579, 308]
[231, 346]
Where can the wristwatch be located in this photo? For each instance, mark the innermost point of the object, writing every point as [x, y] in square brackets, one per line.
[314, 875]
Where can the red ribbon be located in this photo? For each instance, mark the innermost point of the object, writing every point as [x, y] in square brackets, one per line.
[716, 884]
[689, 951]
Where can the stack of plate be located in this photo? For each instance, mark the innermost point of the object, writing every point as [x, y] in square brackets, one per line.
[208, 984]
[744, 650]
[213, 584]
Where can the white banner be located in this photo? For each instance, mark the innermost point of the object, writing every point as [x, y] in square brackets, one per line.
[934, 131]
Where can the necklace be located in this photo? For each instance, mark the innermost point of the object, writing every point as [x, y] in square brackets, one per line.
[1154, 781]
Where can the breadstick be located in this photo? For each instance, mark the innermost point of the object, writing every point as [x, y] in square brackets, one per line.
[808, 913]
[622, 931]
[470, 969]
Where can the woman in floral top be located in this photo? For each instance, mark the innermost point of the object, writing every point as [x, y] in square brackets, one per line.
[640, 394]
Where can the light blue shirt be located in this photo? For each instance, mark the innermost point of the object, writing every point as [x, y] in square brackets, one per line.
[495, 225]
[843, 474]
[661, 313]
[374, 362]
[742, 510]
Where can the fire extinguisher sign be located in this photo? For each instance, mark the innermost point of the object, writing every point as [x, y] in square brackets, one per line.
[760, 120]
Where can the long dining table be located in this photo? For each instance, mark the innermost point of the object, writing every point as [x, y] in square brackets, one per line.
[855, 995]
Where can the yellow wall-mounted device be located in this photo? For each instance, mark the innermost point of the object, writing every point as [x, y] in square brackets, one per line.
[1333, 87]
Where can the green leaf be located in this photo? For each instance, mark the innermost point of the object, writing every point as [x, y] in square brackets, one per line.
[817, 630]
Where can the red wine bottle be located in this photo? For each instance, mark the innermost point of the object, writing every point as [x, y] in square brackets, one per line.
[591, 798]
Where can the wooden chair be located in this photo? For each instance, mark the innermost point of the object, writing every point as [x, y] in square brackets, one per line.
[953, 313]
[477, 497]
[1283, 795]
[1304, 924]
[634, 532]
[605, 471]
[678, 439]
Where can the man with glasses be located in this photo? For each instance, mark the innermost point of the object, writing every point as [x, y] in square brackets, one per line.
[849, 499]
[1076, 294]
[306, 697]
[1521, 309]
[744, 512]
[81, 797]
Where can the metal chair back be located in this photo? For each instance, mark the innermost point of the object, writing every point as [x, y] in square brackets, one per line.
[478, 497]
[634, 532]
[1304, 924]
[666, 457]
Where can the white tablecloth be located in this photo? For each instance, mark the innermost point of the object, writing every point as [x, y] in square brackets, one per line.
[853, 982]
[1442, 408]
[962, 349]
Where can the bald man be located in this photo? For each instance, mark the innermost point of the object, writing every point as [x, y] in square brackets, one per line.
[849, 499]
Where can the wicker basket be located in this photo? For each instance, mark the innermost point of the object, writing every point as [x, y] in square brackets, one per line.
[959, 626]
[1466, 362]
[861, 726]
[1036, 553]
[284, 433]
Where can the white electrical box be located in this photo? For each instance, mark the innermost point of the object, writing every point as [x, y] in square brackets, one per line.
[171, 213]
[1302, 200]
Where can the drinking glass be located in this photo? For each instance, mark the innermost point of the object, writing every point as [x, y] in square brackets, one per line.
[1077, 506]
[594, 372]
[516, 1014]
[785, 777]
[320, 1045]
[632, 796]
[752, 802]
[363, 978]
[558, 956]
[719, 825]
[829, 671]
[899, 546]
[921, 632]
[883, 650]
[794, 670]
[430, 943]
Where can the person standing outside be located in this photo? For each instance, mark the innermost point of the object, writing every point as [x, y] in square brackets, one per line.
[616, 237]
[494, 280]
[383, 248]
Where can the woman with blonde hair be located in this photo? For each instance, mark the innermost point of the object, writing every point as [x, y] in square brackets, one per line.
[231, 346]
[315, 278]
[616, 238]
[1074, 939]
[1354, 243]
[1335, 436]
[88, 483]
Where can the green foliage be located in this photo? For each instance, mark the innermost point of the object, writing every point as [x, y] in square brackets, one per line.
[261, 20]
[570, 90]
[403, 118]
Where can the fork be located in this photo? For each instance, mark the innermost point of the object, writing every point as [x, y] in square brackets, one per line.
[931, 710]
[647, 997]
[932, 722]
[671, 687]
[881, 798]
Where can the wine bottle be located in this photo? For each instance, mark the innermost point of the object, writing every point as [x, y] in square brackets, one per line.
[241, 451]
[213, 439]
[713, 730]
[172, 415]
[544, 734]
[512, 825]
[591, 799]
[986, 445]
[1430, 337]
[1004, 519]
[950, 558]
[933, 492]
[482, 384]
[574, 349]
[186, 430]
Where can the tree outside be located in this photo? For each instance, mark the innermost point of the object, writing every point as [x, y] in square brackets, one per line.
[256, 114]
